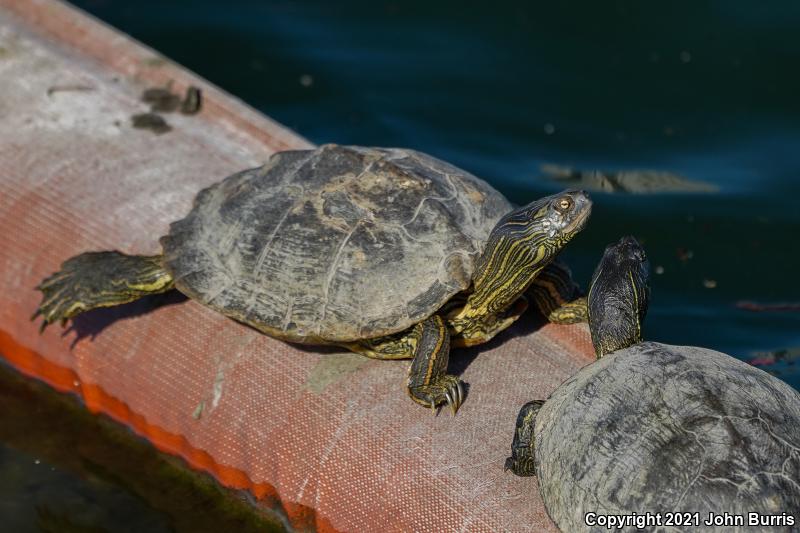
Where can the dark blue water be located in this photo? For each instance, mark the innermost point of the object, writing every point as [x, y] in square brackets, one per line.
[705, 89]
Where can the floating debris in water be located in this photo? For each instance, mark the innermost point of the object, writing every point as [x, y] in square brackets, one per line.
[710, 283]
[759, 307]
[684, 254]
[549, 129]
[766, 358]
[625, 181]
[306, 80]
[659, 269]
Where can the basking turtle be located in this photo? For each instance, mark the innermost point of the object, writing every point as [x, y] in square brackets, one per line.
[656, 428]
[390, 253]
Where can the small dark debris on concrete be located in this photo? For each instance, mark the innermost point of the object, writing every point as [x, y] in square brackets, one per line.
[152, 122]
[68, 88]
[193, 101]
[161, 100]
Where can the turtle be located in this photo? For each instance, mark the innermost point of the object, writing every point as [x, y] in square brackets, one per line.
[691, 433]
[387, 252]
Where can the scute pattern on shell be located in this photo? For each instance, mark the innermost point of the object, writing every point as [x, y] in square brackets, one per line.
[662, 428]
[334, 244]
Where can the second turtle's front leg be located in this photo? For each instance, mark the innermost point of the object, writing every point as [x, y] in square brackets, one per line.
[428, 345]
[523, 461]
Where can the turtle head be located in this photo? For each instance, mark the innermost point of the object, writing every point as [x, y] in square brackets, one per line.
[522, 243]
[522, 461]
[550, 221]
[618, 297]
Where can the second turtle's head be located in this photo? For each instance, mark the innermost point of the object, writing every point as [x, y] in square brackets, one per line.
[618, 297]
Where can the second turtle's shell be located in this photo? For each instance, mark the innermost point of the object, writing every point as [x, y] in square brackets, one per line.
[667, 429]
[334, 244]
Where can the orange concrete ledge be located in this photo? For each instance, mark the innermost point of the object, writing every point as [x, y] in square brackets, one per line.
[329, 437]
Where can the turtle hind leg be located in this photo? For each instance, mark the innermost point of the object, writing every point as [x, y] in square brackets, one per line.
[428, 345]
[99, 279]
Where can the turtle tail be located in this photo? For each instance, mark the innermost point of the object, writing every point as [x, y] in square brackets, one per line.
[99, 279]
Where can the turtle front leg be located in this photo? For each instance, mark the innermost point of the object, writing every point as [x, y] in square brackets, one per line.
[557, 296]
[471, 331]
[99, 279]
[522, 461]
[572, 312]
[428, 382]
[428, 345]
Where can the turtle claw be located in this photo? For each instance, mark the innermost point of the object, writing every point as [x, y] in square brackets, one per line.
[455, 396]
[58, 305]
[453, 393]
[98, 279]
[450, 402]
[445, 390]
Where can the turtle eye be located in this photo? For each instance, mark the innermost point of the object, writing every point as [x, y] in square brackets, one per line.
[564, 203]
